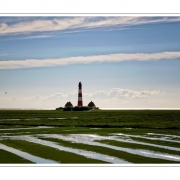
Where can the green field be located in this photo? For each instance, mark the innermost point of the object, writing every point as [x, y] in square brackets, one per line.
[97, 136]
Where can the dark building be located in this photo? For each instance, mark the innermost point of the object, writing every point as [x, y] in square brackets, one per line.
[68, 104]
[91, 105]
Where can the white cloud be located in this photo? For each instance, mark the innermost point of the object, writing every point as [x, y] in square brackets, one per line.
[115, 93]
[114, 98]
[32, 63]
[70, 23]
[40, 25]
[36, 37]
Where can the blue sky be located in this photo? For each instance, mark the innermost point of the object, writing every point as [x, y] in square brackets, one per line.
[122, 61]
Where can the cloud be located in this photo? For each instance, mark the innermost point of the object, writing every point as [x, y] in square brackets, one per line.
[114, 98]
[40, 25]
[114, 94]
[36, 37]
[69, 23]
[32, 63]
[117, 93]
[71, 95]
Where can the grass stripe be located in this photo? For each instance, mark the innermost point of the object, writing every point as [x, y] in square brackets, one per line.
[103, 150]
[150, 119]
[48, 152]
[137, 146]
[7, 157]
[158, 142]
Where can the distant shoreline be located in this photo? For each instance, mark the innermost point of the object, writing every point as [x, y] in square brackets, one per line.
[100, 108]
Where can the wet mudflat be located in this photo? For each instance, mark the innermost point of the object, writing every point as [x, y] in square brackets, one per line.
[27, 156]
[6, 156]
[49, 150]
[66, 137]
[93, 146]
[25, 128]
[91, 140]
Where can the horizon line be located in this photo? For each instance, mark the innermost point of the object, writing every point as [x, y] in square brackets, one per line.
[99, 108]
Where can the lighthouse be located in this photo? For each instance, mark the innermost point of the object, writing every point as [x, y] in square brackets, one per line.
[69, 107]
[80, 102]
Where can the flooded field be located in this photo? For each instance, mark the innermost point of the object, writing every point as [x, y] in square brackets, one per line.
[47, 140]
[27, 156]
[155, 152]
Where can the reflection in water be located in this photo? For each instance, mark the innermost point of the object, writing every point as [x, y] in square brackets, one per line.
[89, 139]
[65, 118]
[32, 119]
[164, 138]
[38, 118]
[9, 119]
[57, 118]
[167, 136]
[143, 143]
[28, 128]
[88, 154]
[27, 156]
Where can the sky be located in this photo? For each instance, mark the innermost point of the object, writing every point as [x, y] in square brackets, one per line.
[122, 61]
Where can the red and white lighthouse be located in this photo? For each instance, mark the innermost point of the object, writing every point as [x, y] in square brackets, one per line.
[80, 102]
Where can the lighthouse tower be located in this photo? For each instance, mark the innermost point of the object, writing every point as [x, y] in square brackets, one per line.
[80, 102]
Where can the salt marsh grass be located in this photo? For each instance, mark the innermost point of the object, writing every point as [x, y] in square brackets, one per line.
[98, 136]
